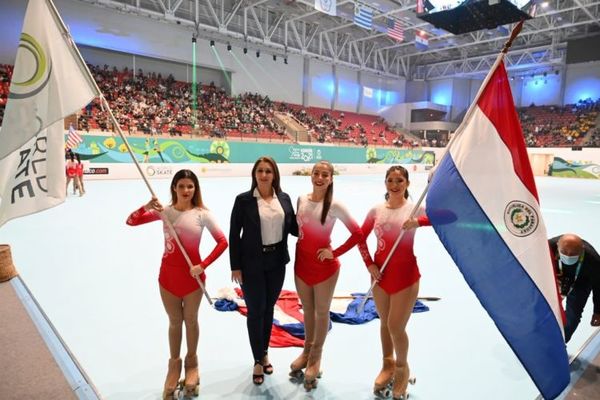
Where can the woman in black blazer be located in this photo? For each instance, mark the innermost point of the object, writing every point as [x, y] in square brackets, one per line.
[261, 220]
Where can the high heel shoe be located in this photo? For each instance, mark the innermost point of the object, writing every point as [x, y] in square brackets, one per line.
[268, 367]
[258, 379]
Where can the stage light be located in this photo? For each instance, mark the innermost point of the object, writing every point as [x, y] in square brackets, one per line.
[228, 47]
[257, 53]
[245, 50]
[274, 57]
[193, 39]
[212, 43]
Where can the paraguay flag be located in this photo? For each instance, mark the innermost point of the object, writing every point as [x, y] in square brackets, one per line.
[497, 237]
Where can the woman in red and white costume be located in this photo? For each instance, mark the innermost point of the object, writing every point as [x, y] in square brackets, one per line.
[71, 171]
[398, 286]
[179, 289]
[317, 265]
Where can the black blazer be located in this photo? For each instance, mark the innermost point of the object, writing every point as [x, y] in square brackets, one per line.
[245, 239]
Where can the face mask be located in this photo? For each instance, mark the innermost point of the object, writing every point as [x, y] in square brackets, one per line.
[568, 260]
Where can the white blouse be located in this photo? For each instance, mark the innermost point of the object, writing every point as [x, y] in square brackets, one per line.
[271, 219]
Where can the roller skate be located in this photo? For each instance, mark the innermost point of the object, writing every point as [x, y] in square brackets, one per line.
[313, 371]
[171, 389]
[401, 380]
[191, 384]
[297, 366]
[382, 388]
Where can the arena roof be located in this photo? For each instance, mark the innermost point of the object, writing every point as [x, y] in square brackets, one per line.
[296, 27]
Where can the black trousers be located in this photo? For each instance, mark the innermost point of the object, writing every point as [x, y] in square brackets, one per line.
[261, 291]
[575, 304]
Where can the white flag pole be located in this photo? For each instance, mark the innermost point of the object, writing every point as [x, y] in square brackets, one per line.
[117, 127]
[458, 131]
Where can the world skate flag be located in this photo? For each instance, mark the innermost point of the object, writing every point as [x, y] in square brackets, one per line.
[47, 82]
[326, 6]
[498, 240]
[32, 178]
[73, 138]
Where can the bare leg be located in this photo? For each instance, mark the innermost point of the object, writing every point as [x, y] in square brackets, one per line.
[382, 303]
[174, 308]
[323, 293]
[191, 305]
[401, 306]
[307, 298]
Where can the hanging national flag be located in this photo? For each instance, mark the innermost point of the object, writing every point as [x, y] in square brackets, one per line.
[395, 30]
[421, 41]
[73, 138]
[363, 16]
[497, 237]
[326, 6]
[47, 82]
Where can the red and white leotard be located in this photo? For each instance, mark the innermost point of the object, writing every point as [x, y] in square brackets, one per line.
[314, 236]
[402, 270]
[174, 271]
[79, 169]
[71, 169]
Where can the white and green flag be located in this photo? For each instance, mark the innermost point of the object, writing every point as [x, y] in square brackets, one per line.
[49, 82]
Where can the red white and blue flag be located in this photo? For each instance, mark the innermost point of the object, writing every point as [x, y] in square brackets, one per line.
[496, 235]
[73, 138]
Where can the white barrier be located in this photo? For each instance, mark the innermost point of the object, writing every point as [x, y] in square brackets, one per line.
[166, 171]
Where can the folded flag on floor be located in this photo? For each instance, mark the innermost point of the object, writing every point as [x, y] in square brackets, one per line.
[288, 320]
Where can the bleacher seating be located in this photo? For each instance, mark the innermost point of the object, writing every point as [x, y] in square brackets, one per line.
[150, 104]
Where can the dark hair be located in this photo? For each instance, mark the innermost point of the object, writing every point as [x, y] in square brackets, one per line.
[187, 174]
[78, 158]
[276, 178]
[72, 156]
[328, 193]
[403, 171]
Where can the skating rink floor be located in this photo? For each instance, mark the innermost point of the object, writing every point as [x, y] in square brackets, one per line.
[96, 278]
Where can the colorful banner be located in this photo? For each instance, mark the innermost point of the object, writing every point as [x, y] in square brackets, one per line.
[574, 169]
[109, 149]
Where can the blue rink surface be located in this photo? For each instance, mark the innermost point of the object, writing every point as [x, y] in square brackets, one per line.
[96, 278]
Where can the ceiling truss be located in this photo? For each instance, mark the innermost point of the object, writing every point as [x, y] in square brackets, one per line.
[294, 27]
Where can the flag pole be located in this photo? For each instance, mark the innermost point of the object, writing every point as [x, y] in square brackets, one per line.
[117, 127]
[515, 32]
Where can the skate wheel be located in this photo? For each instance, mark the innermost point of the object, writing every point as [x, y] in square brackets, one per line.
[384, 393]
[297, 374]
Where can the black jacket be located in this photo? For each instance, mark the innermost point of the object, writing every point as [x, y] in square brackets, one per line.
[245, 239]
[590, 269]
